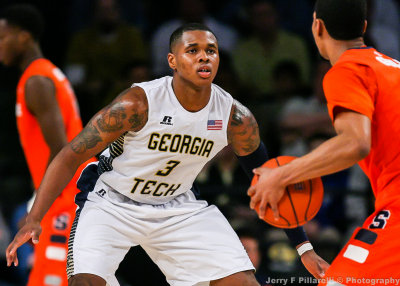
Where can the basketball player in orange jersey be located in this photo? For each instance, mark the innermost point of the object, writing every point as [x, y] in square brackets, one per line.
[362, 90]
[47, 118]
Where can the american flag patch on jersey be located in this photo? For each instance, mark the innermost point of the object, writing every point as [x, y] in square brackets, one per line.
[214, 125]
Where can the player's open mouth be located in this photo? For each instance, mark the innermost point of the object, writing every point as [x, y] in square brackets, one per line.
[204, 72]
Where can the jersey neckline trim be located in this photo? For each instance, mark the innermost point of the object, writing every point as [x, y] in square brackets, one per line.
[361, 48]
[181, 108]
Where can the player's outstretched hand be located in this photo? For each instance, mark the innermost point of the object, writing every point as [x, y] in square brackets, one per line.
[31, 230]
[267, 191]
[314, 264]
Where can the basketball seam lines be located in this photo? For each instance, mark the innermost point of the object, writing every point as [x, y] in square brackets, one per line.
[290, 199]
[309, 201]
[291, 203]
[287, 221]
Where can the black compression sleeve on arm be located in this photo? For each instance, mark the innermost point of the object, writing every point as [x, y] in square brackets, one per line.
[255, 160]
[296, 235]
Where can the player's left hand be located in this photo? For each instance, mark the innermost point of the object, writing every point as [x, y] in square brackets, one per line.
[267, 191]
[314, 264]
[31, 230]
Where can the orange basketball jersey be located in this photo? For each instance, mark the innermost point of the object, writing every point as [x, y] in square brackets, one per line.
[33, 143]
[368, 82]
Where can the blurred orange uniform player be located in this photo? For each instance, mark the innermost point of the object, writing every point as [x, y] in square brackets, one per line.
[50, 253]
[47, 118]
[368, 80]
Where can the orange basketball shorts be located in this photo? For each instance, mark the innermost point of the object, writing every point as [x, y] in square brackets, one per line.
[50, 254]
[371, 257]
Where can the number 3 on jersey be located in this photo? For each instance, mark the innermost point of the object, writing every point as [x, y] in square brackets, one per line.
[168, 169]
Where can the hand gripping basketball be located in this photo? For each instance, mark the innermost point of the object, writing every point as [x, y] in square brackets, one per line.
[300, 201]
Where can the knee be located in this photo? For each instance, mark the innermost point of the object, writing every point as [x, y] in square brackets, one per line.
[85, 279]
[245, 278]
[250, 279]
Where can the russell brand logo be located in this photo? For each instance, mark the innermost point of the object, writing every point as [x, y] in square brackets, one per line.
[167, 120]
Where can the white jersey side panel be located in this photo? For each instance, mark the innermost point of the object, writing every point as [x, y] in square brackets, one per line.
[163, 159]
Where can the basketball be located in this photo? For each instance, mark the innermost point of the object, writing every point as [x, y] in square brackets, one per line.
[300, 202]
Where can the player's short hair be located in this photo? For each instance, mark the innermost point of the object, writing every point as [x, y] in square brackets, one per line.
[25, 17]
[177, 34]
[343, 19]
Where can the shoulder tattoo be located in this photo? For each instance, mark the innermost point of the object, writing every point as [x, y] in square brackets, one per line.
[243, 133]
[112, 118]
[138, 119]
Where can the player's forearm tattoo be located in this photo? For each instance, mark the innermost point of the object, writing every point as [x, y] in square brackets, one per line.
[87, 139]
[138, 120]
[243, 132]
[112, 119]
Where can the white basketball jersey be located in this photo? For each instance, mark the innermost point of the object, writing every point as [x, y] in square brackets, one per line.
[162, 160]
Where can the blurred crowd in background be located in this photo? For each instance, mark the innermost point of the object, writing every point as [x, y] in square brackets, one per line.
[268, 62]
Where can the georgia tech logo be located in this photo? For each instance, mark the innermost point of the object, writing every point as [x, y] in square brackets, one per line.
[167, 120]
[178, 143]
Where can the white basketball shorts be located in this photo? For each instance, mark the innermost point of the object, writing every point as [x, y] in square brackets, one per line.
[192, 243]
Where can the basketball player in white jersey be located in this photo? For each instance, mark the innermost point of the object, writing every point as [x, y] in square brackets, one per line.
[157, 137]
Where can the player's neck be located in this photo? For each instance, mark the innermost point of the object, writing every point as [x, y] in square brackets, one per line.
[32, 53]
[191, 97]
[337, 48]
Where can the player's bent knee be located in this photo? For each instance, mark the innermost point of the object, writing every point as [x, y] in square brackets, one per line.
[244, 278]
[86, 279]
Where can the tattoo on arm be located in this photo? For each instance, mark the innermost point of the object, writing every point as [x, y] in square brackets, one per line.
[253, 138]
[87, 139]
[138, 120]
[127, 112]
[243, 132]
[237, 116]
[112, 119]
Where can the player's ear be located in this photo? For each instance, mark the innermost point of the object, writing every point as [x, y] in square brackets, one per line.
[171, 61]
[24, 36]
[365, 26]
[319, 27]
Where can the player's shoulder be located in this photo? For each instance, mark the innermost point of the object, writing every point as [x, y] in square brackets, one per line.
[159, 83]
[357, 59]
[220, 92]
[40, 67]
[344, 69]
[38, 83]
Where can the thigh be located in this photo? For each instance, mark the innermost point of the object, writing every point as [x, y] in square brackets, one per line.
[195, 248]
[245, 278]
[86, 279]
[99, 240]
[50, 258]
[368, 258]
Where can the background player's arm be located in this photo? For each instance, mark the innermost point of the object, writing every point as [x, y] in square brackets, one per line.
[128, 112]
[40, 98]
[351, 144]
